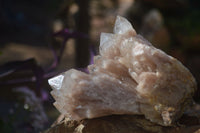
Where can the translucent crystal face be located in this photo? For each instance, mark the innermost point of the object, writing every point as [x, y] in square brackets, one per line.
[56, 82]
[130, 76]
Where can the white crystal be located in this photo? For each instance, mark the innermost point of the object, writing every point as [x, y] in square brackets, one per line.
[56, 82]
[122, 26]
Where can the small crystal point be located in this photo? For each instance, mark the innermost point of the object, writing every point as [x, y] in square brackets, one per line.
[122, 26]
[56, 82]
[106, 38]
[107, 44]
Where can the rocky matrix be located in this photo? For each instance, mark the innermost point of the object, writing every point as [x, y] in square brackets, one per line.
[130, 76]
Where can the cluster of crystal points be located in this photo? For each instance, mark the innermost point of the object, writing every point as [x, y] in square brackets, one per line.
[130, 76]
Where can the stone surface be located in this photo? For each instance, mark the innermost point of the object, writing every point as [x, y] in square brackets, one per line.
[124, 124]
[130, 76]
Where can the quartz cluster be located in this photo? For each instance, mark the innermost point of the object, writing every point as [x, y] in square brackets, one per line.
[130, 76]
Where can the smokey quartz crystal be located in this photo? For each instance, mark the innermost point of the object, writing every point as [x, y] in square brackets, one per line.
[130, 76]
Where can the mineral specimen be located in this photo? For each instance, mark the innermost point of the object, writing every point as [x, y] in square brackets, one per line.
[130, 76]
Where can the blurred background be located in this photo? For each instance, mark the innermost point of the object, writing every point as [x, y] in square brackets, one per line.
[42, 38]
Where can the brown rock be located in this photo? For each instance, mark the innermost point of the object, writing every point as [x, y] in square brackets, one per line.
[123, 124]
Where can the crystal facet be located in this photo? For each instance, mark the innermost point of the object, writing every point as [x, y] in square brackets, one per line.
[130, 76]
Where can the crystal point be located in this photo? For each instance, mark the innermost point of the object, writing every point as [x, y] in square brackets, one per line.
[56, 82]
[130, 76]
[122, 26]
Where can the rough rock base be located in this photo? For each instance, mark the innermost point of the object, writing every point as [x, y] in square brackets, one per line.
[124, 124]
